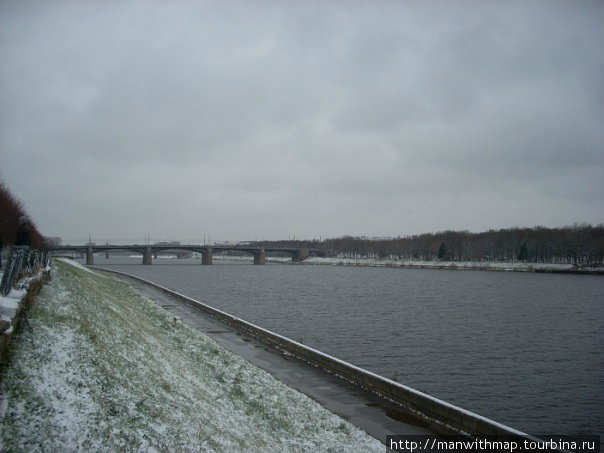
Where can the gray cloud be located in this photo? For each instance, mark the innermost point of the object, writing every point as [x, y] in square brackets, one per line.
[270, 119]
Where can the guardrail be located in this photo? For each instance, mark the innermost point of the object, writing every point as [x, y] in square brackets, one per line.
[22, 262]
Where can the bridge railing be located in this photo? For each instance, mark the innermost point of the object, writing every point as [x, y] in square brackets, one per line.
[21, 263]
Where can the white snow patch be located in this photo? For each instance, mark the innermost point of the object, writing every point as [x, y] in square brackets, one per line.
[485, 265]
[10, 303]
[76, 264]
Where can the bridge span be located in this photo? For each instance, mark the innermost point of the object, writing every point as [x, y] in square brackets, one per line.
[206, 251]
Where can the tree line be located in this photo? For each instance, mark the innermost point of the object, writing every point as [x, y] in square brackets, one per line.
[11, 210]
[580, 244]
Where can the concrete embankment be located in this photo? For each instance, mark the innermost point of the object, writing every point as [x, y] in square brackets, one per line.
[423, 407]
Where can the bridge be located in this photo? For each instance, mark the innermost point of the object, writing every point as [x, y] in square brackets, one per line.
[207, 251]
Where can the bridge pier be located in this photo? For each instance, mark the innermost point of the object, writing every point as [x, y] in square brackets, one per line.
[147, 256]
[300, 255]
[260, 257]
[207, 257]
[89, 256]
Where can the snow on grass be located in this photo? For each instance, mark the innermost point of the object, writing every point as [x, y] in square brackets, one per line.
[104, 369]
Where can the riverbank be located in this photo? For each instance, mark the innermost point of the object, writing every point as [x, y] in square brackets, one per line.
[500, 266]
[458, 265]
[105, 369]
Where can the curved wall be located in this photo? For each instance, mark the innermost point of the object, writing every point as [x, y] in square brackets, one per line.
[424, 405]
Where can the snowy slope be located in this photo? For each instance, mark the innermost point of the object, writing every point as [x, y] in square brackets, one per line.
[104, 369]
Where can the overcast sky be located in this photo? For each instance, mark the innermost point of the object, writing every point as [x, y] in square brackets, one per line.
[310, 119]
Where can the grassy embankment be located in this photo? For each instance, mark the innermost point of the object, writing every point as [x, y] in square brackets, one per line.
[105, 369]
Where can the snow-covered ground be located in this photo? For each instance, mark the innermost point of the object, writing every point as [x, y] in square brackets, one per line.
[517, 266]
[104, 369]
[9, 305]
[482, 265]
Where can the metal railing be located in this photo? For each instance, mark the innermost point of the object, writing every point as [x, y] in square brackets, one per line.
[22, 262]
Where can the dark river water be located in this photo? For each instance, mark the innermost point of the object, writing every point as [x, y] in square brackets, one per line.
[524, 349]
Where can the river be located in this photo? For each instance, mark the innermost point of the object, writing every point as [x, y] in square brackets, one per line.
[524, 349]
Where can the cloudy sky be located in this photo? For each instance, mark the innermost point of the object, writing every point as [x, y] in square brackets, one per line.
[236, 120]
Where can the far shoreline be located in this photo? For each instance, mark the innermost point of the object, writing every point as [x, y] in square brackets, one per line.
[494, 266]
[568, 269]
